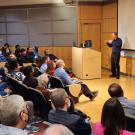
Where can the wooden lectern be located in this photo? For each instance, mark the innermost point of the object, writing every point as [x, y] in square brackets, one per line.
[86, 63]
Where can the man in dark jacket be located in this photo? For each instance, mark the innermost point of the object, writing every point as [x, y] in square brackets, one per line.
[77, 124]
[116, 45]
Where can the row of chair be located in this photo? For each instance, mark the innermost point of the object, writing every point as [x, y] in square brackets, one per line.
[73, 90]
[41, 105]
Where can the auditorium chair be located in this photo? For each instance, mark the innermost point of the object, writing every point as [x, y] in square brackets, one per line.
[130, 122]
[41, 105]
[73, 90]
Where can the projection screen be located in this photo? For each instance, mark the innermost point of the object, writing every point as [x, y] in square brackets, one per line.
[126, 23]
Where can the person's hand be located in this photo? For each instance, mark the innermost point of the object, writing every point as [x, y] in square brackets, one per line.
[109, 41]
[8, 91]
[106, 41]
[0, 81]
[73, 78]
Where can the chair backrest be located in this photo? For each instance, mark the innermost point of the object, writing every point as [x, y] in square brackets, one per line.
[40, 102]
[55, 82]
[19, 88]
[30, 94]
[130, 121]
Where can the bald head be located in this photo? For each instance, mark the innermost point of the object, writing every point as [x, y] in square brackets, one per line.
[60, 63]
[58, 129]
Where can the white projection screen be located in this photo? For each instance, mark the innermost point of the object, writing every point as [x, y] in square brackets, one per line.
[126, 23]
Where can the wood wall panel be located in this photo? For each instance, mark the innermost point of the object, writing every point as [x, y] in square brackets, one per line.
[110, 25]
[110, 10]
[90, 12]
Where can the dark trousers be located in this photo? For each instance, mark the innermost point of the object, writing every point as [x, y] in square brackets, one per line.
[115, 67]
[86, 91]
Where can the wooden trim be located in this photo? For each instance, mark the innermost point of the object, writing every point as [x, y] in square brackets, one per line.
[109, 2]
[90, 3]
[35, 6]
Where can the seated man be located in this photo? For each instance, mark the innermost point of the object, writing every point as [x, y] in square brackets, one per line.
[13, 69]
[77, 124]
[43, 67]
[13, 116]
[58, 130]
[30, 55]
[67, 80]
[115, 90]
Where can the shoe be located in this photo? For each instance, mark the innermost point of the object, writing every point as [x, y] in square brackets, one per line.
[94, 93]
[93, 97]
[112, 75]
[32, 128]
[117, 77]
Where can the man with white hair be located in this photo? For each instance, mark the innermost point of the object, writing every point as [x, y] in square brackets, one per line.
[13, 115]
[65, 78]
[57, 129]
[60, 115]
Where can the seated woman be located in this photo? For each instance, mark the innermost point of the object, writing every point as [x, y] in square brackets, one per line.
[112, 120]
[50, 67]
[30, 80]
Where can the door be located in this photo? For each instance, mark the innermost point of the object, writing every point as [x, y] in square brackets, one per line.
[92, 32]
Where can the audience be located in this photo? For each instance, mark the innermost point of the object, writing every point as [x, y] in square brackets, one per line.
[35, 51]
[115, 90]
[43, 80]
[57, 129]
[43, 67]
[3, 84]
[5, 50]
[112, 120]
[30, 80]
[30, 54]
[13, 70]
[2, 57]
[51, 67]
[13, 116]
[17, 50]
[60, 115]
[23, 56]
[62, 74]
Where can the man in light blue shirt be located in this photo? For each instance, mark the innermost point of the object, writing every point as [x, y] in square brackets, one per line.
[65, 78]
[44, 66]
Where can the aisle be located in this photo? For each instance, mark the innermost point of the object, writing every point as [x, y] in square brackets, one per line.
[94, 108]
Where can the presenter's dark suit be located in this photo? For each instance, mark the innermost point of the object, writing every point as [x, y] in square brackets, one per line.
[78, 125]
[115, 57]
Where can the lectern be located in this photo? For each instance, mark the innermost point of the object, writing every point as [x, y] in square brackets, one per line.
[86, 63]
